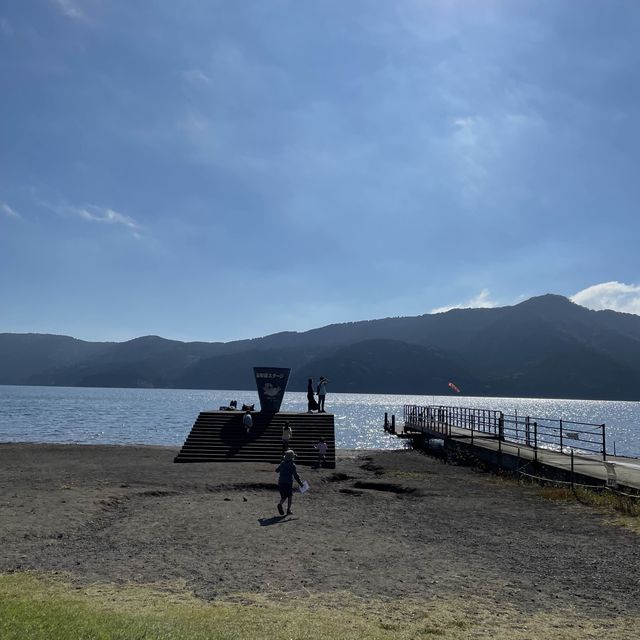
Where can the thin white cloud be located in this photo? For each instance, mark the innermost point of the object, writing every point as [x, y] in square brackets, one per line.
[482, 146]
[12, 213]
[471, 143]
[481, 301]
[196, 77]
[610, 295]
[70, 9]
[93, 213]
[194, 124]
[105, 215]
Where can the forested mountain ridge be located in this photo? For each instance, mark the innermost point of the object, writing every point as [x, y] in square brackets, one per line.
[546, 346]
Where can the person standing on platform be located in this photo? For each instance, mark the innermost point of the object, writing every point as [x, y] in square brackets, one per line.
[287, 471]
[322, 392]
[287, 433]
[247, 421]
[312, 405]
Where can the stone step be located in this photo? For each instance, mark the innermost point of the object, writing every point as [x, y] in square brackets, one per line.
[218, 436]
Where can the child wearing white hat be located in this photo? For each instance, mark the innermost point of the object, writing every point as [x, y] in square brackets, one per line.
[287, 470]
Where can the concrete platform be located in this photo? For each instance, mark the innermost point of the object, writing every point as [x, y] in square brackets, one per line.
[218, 436]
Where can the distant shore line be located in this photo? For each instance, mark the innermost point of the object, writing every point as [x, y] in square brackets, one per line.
[172, 448]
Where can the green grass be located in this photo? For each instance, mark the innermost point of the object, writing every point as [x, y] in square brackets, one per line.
[34, 607]
[625, 511]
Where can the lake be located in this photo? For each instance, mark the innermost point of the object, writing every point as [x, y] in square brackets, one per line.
[165, 416]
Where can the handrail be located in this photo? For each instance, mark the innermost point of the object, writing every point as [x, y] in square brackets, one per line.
[535, 432]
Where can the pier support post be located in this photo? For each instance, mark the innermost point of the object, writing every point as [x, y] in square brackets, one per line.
[572, 474]
[560, 435]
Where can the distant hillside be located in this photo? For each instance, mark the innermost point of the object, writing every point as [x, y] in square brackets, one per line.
[546, 346]
[388, 366]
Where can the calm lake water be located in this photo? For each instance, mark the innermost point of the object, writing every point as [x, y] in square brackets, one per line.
[165, 416]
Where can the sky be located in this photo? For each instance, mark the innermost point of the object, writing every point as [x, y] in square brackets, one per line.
[216, 170]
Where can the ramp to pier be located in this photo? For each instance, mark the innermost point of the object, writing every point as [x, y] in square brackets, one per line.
[218, 436]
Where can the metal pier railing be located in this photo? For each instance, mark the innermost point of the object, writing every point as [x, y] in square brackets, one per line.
[563, 436]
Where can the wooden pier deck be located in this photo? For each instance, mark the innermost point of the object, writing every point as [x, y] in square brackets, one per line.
[494, 447]
[218, 436]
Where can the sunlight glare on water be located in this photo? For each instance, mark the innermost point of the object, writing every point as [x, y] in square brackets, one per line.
[165, 416]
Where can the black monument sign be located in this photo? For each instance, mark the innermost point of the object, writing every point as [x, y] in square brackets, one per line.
[271, 383]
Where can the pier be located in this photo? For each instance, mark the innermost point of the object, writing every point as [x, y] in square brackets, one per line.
[554, 449]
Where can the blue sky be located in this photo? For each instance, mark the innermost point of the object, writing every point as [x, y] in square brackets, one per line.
[208, 170]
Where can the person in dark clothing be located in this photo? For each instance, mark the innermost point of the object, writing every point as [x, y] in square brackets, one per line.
[312, 405]
[287, 470]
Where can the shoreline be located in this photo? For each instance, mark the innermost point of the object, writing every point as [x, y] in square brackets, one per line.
[174, 448]
[27, 443]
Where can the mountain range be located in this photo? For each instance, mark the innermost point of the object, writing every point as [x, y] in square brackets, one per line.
[543, 347]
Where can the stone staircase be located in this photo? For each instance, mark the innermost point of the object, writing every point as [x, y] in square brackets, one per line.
[218, 436]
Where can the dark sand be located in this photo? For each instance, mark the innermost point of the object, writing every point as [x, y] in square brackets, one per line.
[382, 524]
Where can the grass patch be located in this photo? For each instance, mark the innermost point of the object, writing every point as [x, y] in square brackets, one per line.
[626, 510]
[34, 607]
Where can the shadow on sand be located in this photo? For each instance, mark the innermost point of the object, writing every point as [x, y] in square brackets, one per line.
[266, 522]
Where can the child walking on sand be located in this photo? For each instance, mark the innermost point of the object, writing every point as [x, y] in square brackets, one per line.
[322, 452]
[287, 470]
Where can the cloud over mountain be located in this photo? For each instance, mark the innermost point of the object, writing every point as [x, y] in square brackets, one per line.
[610, 295]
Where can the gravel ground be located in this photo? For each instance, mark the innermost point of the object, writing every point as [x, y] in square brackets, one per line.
[382, 524]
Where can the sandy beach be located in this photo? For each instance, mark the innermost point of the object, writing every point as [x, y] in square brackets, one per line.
[395, 524]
